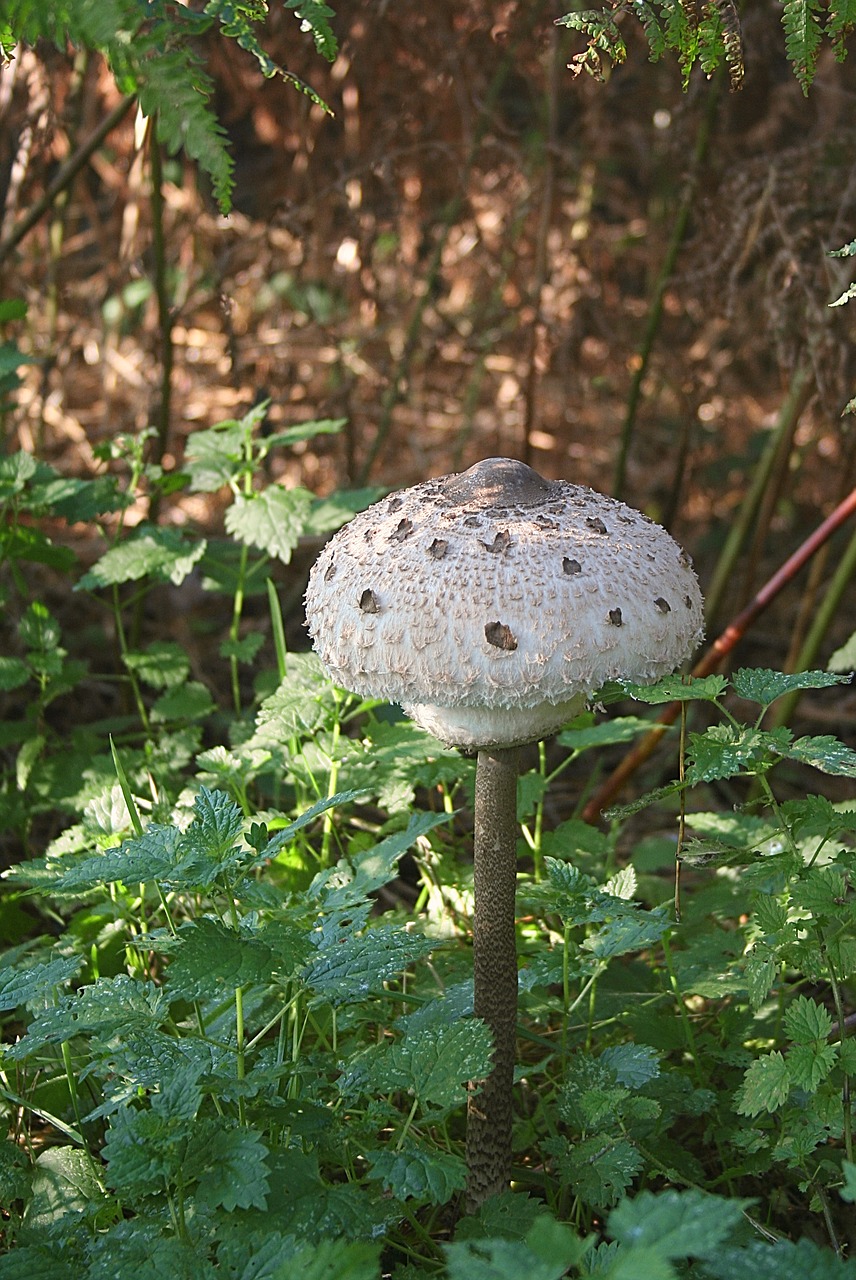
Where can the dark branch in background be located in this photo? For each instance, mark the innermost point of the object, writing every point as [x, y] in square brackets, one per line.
[66, 173]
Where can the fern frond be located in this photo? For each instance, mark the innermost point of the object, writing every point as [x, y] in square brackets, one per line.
[840, 21]
[732, 41]
[175, 89]
[315, 16]
[603, 38]
[803, 34]
[237, 21]
[651, 26]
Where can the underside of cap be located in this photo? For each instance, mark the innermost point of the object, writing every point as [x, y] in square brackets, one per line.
[489, 603]
[474, 727]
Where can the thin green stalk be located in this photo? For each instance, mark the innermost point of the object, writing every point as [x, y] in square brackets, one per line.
[280, 647]
[842, 1036]
[783, 711]
[655, 312]
[165, 318]
[682, 1011]
[780, 438]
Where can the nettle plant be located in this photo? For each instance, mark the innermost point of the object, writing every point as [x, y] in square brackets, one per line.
[237, 988]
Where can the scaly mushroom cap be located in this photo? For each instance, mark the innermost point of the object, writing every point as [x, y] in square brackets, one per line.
[492, 604]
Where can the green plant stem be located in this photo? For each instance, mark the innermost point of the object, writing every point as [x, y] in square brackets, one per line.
[692, 1046]
[780, 439]
[842, 1035]
[655, 311]
[165, 319]
[824, 616]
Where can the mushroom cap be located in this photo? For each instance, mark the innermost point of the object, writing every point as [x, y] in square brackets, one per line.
[492, 604]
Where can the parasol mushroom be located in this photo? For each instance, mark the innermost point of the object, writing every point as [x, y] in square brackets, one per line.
[491, 605]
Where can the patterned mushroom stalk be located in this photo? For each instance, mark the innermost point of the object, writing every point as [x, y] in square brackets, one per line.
[491, 605]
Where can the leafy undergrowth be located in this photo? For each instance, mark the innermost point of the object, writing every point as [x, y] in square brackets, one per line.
[236, 979]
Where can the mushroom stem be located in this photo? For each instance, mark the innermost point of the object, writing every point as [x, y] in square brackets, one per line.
[489, 1111]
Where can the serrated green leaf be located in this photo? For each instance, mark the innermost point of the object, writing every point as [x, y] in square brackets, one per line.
[326, 515]
[806, 1021]
[228, 1166]
[432, 1065]
[764, 687]
[314, 17]
[216, 457]
[272, 519]
[783, 1260]
[609, 733]
[761, 970]
[825, 753]
[600, 1168]
[499, 1259]
[164, 554]
[628, 932]
[677, 1224]
[765, 1086]
[632, 1064]
[64, 1183]
[413, 1173]
[102, 1009]
[677, 689]
[361, 963]
[36, 983]
[188, 701]
[351, 882]
[244, 649]
[162, 665]
[726, 750]
[810, 1064]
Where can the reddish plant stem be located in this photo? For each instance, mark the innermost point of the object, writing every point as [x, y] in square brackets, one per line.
[720, 648]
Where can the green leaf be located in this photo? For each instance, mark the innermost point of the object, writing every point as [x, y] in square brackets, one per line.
[783, 1260]
[633, 931]
[211, 960]
[803, 35]
[810, 1064]
[271, 520]
[432, 1065]
[677, 1224]
[413, 1173]
[599, 1169]
[333, 1260]
[315, 16]
[806, 1021]
[216, 457]
[162, 665]
[609, 733]
[848, 1191]
[351, 882]
[189, 701]
[65, 1184]
[14, 672]
[844, 659]
[760, 685]
[176, 90]
[765, 1086]
[245, 649]
[329, 514]
[726, 750]
[162, 553]
[228, 1166]
[547, 1252]
[632, 1064]
[36, 983]
[360, 963]
[824, 753]
[677, 689]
